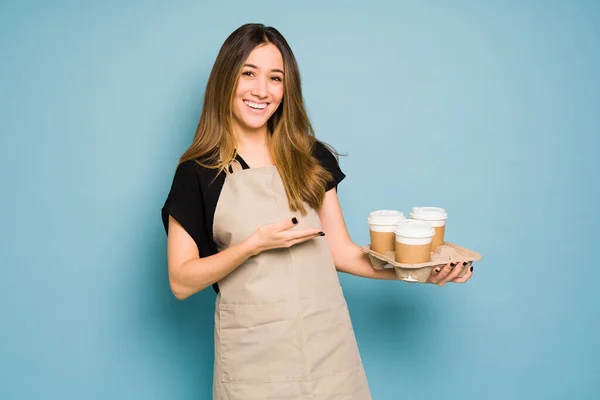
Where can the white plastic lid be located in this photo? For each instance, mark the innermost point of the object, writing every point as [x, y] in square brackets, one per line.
[385, 217]
[428, 213]
[414, 228]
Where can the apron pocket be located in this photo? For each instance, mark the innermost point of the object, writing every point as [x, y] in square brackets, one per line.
[261, 343]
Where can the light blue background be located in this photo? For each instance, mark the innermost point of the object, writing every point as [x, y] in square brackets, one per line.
[490, 109]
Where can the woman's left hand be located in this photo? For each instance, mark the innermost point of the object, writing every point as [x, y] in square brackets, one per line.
[449, 273]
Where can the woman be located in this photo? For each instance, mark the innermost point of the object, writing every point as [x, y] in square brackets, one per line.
[253, 211]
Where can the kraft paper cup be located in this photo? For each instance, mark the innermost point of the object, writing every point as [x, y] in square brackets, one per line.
[437, 217]
[413, 241]
[381, 229]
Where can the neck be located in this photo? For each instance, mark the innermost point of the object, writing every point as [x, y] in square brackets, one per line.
[253, 147]
[254, 139]
[251, 140]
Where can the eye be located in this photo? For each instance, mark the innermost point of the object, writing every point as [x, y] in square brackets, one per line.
[276, 78]
[247, 73]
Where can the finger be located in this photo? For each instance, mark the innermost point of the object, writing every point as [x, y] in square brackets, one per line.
[441, 276]
[465, 277]
[457, 269]
[302, 239]
[302, 234]
[433, 274]
[286, 224]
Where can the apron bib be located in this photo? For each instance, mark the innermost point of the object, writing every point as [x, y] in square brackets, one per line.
[282, 327]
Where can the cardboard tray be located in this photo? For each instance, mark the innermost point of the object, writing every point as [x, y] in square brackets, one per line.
[443, 254]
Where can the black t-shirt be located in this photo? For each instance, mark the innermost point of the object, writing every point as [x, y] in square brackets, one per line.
[195, 192]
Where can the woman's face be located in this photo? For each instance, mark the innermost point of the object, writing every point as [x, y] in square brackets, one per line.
[259, 89]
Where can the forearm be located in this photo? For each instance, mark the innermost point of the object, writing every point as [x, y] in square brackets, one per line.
[352, 260]
[198, 273]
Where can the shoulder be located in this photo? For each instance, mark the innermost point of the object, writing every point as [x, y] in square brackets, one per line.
[328, 158]
[195, 179]
[323, 153]
[196, 168]
[189, 167]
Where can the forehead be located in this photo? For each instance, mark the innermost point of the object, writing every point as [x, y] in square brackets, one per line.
[266, 56]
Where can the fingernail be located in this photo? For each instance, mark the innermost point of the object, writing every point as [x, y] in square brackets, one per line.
[321, 234]
[294, 220]
[471, 268]
[465, 263]
[453, 265]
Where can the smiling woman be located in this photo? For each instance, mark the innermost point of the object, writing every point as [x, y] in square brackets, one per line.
[245, 99]
[251, 201]
[260, 89]
[243, 215]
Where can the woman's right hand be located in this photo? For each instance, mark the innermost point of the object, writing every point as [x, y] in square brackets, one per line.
[280, 235]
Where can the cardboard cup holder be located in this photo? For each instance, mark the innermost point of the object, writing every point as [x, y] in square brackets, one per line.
[443, 254]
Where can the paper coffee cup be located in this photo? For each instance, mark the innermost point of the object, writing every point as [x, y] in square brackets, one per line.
[413, 241]
[381, 229]
[436, 217]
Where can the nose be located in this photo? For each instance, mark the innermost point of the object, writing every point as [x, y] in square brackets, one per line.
[260, 87]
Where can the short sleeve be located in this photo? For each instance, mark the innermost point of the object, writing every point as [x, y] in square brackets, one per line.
[185, 203]
[330, 163]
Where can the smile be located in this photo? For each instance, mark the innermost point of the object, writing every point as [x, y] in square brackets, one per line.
[256, 106]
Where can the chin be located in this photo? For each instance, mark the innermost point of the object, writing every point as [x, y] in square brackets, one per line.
[256, 124]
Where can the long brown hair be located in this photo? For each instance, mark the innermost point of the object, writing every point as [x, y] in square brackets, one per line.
[291, 136]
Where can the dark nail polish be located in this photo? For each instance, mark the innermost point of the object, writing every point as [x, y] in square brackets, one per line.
[465, 263]
[453, 265]
[321, 234]
[471, 268]
[295, 220]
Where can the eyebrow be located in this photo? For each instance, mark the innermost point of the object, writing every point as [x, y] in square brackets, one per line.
[273, 70]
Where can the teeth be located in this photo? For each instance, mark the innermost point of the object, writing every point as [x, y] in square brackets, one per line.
[256, 105]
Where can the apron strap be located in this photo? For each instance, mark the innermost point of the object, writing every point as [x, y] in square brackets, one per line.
[234, 166]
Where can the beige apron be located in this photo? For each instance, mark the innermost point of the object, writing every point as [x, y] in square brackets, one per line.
[282, 328]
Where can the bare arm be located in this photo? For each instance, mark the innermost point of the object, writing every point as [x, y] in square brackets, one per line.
[347, 255]
[189, 274]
